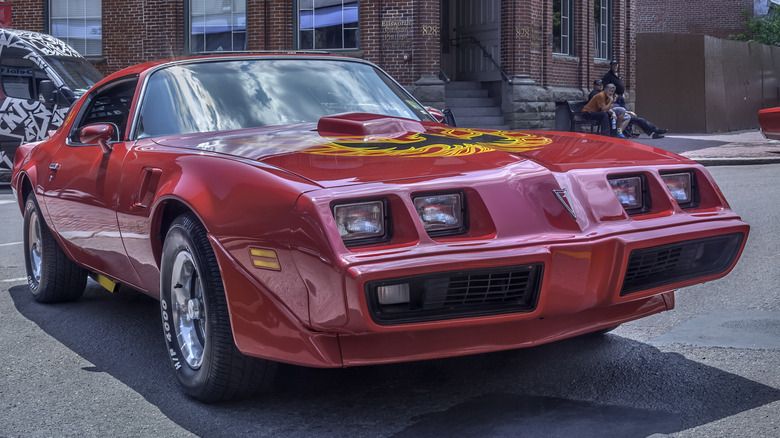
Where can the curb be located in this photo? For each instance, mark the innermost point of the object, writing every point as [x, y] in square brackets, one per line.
[734, 161]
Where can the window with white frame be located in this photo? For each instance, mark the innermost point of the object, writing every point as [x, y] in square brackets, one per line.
[217, 26]
[563, 28]
[603, 28]
[79, 23]
[327, 24]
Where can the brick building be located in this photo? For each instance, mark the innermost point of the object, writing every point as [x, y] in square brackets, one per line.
[498, 63]
[717, 18]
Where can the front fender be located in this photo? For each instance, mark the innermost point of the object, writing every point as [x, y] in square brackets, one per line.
[245, 206]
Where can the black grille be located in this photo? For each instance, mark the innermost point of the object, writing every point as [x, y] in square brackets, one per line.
[459, 294]
[666, 264]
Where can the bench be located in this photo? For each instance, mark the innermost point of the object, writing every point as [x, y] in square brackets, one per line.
[574, 110]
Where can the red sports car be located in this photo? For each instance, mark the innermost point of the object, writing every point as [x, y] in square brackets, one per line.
[308, 210]
[769, 120]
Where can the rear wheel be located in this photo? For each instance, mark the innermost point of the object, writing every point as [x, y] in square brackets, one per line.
[196, 322]
[52, 276]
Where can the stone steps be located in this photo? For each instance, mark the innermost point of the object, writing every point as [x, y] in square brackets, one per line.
[473, 107]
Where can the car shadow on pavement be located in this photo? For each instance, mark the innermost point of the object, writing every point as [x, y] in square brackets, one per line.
[591, 386]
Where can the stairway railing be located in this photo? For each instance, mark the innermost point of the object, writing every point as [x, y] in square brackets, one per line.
[471, 40]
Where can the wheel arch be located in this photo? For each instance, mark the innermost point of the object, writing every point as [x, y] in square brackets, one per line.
[166, 213]
[24, 190]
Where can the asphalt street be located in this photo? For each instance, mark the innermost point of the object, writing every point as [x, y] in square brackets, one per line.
[709, 368]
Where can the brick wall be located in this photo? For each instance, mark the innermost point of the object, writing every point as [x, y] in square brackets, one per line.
[718, 18]
[527, 26]
[138, 31]
[401, 36]
[28, 15]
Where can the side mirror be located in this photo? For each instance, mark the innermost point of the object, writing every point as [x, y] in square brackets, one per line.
[449, 118]
[442, 116]
[99, 133]
[46, 92]
[436, 113]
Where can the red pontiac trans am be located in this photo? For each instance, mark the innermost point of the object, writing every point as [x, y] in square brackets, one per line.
[308, 210]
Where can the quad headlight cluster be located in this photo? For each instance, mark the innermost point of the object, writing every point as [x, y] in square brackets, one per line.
[362, 221]
[633, 194]
[365, 222]
[441, 213]
[682, 187]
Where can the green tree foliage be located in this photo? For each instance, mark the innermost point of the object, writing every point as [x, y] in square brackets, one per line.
[762, 30]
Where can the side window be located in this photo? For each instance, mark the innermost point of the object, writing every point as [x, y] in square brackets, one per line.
[20, 76]
[109, 104]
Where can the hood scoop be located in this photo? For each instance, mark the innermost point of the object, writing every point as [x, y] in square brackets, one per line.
[366, 125]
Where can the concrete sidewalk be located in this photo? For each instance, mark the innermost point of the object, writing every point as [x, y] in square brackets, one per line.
[723, 149]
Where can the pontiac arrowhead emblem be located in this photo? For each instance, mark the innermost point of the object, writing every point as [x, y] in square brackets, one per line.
[563, 196]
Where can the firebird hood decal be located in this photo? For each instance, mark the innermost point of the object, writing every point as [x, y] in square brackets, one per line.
[439, 150]
[436, 142]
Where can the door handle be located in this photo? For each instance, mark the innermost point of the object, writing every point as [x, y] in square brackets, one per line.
[53, 168]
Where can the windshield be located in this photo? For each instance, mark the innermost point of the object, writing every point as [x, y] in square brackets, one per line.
[77, 73]
[236, 94]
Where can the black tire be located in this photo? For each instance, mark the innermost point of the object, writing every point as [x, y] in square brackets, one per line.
[51, 275]
[196, 324]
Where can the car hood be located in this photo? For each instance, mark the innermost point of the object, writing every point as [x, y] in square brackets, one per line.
[360, 148]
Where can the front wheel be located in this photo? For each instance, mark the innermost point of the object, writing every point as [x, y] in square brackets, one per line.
[51, 275]
[196, 322]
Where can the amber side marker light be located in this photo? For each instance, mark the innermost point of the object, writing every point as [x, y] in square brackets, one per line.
[264, 259]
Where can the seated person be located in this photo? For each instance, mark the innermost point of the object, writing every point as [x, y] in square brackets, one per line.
[600, 108]
[598, 87]
[649, 128]
[633, 119]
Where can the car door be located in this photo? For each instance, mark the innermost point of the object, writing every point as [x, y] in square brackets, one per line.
[82, 189]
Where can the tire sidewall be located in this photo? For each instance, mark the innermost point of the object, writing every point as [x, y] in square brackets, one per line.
[193, 380]
[30, 208]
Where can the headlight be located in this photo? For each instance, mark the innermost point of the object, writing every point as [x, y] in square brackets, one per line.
[441, 213]
[680, 185]
[360, 221]
[630, 192]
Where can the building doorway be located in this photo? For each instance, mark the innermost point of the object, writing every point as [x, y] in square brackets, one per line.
[476, 33]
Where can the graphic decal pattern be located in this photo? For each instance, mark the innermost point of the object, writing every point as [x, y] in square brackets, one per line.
[23, 120]
[28, 120]
[46, 44]
[438, 142]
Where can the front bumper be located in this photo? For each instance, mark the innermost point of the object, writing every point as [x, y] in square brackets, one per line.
[581, 290]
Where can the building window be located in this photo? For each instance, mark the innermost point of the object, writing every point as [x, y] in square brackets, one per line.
[79, 23]
[327, 24]
[603, 28]
[217, 25]
[563, 12]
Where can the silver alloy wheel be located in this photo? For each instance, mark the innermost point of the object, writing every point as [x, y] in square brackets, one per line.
[188, 312]
[35, 249]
